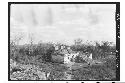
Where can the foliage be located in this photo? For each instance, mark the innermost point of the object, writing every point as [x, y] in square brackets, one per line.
[27, 52]
[97, 72]
[78, 41]
[98, 51]
[34, 62]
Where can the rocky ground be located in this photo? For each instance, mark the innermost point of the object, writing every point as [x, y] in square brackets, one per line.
[56, 71]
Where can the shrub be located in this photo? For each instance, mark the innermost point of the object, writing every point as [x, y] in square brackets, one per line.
[79, 60]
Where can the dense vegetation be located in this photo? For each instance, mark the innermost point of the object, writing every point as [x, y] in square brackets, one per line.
[34, 62]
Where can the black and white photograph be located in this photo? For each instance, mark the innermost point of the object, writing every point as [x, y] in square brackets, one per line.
[64, 41]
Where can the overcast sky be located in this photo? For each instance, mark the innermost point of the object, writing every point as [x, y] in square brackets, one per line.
[64, 22]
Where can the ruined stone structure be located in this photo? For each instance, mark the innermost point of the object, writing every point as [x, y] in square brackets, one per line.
[69, 55]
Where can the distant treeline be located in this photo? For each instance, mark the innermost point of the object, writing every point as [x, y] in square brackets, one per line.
[43, 51]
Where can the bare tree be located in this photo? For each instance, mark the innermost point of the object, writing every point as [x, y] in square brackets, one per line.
[31, 38]
[16, 39]
[31, 41]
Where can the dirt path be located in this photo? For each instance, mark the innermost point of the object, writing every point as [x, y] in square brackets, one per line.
[73, 66]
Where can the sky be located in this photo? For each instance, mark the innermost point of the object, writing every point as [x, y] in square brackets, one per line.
[63, 22]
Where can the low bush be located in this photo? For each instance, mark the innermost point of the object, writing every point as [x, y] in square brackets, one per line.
[28, 60]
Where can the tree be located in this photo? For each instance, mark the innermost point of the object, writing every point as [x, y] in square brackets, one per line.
[31, 47]
[78, 41]
[16, 39]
